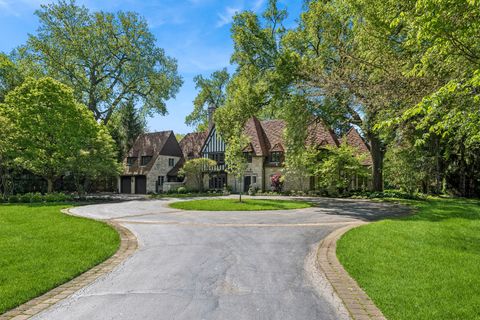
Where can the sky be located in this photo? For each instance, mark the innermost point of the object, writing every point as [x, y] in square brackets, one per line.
[195, 32]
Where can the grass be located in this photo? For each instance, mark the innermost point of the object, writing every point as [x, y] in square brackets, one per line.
[424, 266]
[184, 195]
[235, 205]
[42, 248]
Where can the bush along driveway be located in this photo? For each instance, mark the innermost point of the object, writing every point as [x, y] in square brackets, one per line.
[424, 266]
[41, 248]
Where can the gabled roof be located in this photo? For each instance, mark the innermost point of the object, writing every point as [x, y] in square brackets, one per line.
[273, 132]
[253, 129]
[354, 139]
[152, 145]
[192, 144]
[318, 134]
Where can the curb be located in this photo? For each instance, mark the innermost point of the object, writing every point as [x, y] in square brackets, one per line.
[357, 302]
[128, 245]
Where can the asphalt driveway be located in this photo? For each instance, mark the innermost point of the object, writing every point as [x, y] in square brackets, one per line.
[215, 265]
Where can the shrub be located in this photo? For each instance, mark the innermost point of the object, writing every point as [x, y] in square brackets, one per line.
[36, 197]
[24, 198]
[182, 190]
[277, 182]
[57, 197]
[13, 199]
[252, 190]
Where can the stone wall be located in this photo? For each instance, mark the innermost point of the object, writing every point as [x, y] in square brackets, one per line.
[159, 168]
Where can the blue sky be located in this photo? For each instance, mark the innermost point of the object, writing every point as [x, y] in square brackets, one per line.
[195, 32]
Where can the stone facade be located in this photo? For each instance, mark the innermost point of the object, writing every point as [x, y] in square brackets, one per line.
[160, 168]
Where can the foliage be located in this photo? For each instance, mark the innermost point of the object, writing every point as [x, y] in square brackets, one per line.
[405, 168]
[107, 58]
[125, 126]
[421, 266]
[338, 169]
[43, 248]
[182, 190]
[276, 182]
[211, 95]
[10, 76]
[54, 134]
[193, 170]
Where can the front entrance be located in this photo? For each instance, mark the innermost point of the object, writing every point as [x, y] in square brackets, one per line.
[126, 185]
[247, 181]
[141, 185]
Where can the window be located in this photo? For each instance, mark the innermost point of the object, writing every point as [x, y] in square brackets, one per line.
[131, 161]
[171, 162]
[276, 157]
[219, 157]
[248, 156]
[254, 179]
[145, 160]
[161, 180]
[217, 181]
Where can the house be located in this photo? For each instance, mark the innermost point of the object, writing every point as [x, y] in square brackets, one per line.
[151, 164]
[265, 154]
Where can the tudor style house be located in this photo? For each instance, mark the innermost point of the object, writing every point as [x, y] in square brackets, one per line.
[151, 163]
[265, 154]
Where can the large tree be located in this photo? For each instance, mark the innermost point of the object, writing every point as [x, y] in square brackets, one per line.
[10, 76]
[211, 95]
[107, 58]
[54, 134]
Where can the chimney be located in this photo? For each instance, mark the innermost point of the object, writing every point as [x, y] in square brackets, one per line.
[211, 111]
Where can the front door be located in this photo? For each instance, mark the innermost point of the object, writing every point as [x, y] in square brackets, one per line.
[141, 185]
[246, 183]
[126, 185]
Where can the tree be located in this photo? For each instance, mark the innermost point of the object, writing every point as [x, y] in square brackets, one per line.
[194, 170]
[211, 95]
[54, 134]
[338, 169]
[125, 126]
[10, 76]
[107, 58]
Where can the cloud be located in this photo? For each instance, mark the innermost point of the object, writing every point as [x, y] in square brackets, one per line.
[257, 5]
[227, 16]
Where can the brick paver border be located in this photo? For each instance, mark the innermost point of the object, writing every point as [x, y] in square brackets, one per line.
[358, 304]
[128, 245]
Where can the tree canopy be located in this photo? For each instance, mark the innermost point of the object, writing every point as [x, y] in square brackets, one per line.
[54, 134]
[107, 58]
[211, 95]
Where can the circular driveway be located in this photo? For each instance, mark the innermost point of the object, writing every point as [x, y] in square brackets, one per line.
[215, 265]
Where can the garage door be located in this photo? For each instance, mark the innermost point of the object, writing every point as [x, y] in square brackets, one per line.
[141, 185]
[126, 185]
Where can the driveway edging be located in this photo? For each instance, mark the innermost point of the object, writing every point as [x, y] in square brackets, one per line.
[128, 245]
[357, 302]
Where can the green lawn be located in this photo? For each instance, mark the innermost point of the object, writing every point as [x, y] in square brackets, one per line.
[184, 195]
[425, 266]
[41, 248]
[235, 205]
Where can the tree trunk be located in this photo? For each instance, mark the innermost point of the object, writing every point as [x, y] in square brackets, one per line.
[49, 185]
[377, 152]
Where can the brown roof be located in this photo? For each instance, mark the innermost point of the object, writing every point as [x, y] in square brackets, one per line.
[318, 134]
[267, 136]
[151, 144]
[253, 129]
[354, 139]
[192, 144]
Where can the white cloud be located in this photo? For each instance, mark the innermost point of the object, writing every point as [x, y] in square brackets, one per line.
[227, 16]
[257, 5]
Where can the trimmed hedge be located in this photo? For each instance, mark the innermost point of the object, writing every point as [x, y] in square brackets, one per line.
[38, 198]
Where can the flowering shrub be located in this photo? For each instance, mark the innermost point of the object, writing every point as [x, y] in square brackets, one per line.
[277, 182]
